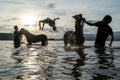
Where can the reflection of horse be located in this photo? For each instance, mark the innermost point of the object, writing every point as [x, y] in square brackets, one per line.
[75, 38]
[48, 21]
[31, 38]
[80, 62]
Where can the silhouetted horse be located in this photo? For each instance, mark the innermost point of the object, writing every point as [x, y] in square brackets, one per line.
[31, 38]
[48, 21]
[75, 38]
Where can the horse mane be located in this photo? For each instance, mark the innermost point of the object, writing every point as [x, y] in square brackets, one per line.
[25, 32]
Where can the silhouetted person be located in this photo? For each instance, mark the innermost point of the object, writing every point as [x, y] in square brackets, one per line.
[17, 41]
[104, 30]
[48, 21]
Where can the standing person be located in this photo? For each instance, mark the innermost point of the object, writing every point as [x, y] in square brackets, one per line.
[16, 37]
[104, 30]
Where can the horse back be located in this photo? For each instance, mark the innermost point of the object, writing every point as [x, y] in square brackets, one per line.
[37, 38]
[43, 37]
[69, 37]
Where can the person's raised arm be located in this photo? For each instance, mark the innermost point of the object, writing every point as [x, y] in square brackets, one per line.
[88, 23]
[82, 22]
[111, 41]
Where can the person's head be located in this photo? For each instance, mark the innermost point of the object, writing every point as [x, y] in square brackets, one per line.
[16, 27]
[54, 28]
[107, 19]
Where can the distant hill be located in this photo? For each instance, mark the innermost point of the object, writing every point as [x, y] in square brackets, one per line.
[90, 37]
[6, 36]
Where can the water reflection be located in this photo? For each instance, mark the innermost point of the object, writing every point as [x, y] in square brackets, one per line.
[105, 57]
[79, 62]
[15, 55]
[98, 66]
[55, 63]
[31, 65]
[76, 71]
[104, 63]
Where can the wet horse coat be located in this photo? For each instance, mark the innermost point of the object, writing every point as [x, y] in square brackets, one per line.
[75, 38]
[31, 38]
[70, 38]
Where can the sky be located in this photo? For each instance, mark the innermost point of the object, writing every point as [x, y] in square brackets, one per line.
[18, 12]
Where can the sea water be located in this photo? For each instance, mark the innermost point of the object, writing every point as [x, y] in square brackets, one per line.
[54, 62]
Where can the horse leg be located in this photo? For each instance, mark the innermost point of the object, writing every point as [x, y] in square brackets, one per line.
[65, 40]
[29, 43]
[43, 43]
[43, 25]
[39, 25]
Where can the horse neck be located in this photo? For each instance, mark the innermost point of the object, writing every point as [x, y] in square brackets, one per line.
[79, 28]
[27, 34]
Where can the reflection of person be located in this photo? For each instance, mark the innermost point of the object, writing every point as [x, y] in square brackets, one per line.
[48, 21]
[104, 61]
[16, 37]
[104, 30]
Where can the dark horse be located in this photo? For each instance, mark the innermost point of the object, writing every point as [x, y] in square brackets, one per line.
[48, 21]
[31, 38]
[75, 38]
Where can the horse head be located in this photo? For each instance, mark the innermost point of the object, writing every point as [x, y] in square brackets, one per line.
[22, 30]
[77, 17]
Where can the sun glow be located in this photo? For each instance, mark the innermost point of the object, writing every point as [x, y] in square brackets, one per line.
[29, 20]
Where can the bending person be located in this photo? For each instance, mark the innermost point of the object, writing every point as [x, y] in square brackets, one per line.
[48, 21]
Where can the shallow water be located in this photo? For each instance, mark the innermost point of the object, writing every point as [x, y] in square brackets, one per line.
[55, 63]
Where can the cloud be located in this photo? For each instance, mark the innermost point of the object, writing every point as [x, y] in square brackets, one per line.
[51, 5]
[61, 13]
[12, 19]
[9, 2]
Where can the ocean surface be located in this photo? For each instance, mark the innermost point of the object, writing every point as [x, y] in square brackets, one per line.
[54, 62]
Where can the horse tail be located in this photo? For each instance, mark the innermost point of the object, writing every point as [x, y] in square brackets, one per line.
[44, 40]
[39, 25]
[65, 38]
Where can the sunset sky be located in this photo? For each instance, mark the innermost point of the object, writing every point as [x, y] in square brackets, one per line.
[18, 12]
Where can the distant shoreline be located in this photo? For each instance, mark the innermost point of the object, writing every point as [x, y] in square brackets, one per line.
[6, 36]
[9, 36]
[88, 37]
